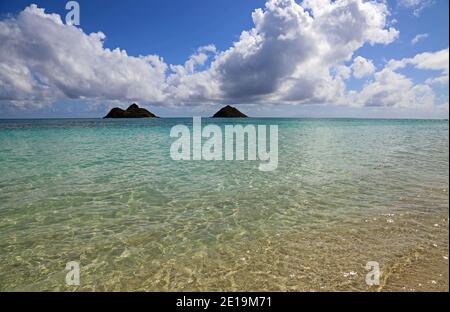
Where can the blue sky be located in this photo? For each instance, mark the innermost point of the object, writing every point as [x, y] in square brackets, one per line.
[253, 72]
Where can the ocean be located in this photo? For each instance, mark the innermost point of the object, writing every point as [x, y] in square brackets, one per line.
[107, 194]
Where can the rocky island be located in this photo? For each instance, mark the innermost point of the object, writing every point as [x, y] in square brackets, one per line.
[133, 111]
[229, 112]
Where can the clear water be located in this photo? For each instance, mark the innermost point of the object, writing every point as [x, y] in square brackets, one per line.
[107, 194]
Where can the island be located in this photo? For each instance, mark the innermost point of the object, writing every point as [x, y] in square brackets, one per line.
[229, 112]
[133, 111]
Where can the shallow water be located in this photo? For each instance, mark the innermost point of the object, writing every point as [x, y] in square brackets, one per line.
[107, 194]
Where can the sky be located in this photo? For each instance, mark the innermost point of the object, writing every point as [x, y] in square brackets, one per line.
[281, 58]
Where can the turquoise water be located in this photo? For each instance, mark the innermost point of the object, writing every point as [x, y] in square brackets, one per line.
[107, 194]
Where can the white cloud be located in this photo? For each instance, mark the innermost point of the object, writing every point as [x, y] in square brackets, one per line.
[343, 72]
[411, 3]
[417, 6]
[391, 89]
[438, 80]
[392, 22]
[436, 61]
[291, 52]
[185, 85]
[362, 67]
[419, 37]
[42, 60]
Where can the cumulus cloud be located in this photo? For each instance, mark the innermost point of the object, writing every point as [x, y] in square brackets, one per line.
[392, 89]
[343, 72]
[362, 67]
[293, 49]
[418, 38]
[436, 61]
[188, 85]
[42, 60]
[438, 80]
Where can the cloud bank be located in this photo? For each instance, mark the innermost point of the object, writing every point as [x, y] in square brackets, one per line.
[295, 53]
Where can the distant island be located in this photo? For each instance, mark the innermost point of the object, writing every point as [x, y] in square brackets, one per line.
[229, 112]
[133, 111]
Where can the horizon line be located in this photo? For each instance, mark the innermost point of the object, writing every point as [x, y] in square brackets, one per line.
[251, 117]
